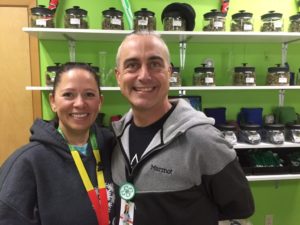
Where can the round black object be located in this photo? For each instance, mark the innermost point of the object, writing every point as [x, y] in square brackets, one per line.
[186, 11]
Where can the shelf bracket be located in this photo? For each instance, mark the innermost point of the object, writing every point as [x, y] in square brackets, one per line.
[181, 92]
[281, 97]
[284, 48]
[72, 51]
[182, 49]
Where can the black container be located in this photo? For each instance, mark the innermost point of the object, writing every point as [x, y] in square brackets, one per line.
[244, 76]
[242, 21]
[250, 133]
[41, 17]
[214, 21]
[272, 21]
[274, 133]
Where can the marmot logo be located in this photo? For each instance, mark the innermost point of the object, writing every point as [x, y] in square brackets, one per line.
[161, 170]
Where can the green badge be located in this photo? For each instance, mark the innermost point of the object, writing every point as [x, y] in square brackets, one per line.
[127, 191]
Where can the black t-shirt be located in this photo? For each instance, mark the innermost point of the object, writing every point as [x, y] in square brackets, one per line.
[140, 137]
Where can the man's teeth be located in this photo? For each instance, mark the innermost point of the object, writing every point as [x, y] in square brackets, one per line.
[76, 115]
[144, 88]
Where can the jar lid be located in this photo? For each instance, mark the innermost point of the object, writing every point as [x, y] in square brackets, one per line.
[250, 126]
[112, 11]
[185, 10]
[54, 68]
[271, 14]
[41, 10]
[226, 127]
[213, 13]
[76, 10]
[295, 17]
[275, 126]
[203, 69]
[293, 126]
[244, 68]
[144, 12]
[242, 14]
[175, 69]
[278, 68]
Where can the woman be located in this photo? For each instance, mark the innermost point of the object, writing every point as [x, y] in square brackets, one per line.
[62, 176]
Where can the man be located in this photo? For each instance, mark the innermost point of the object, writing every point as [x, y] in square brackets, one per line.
[170, 163]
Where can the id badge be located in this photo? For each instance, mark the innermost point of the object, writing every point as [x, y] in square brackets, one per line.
[126, 212]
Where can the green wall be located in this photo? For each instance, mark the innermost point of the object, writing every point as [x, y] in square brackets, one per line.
[281, 199]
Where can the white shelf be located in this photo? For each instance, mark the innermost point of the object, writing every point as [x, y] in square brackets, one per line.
[273, 177]
[266, 145]
[188, 88]
[169, 36]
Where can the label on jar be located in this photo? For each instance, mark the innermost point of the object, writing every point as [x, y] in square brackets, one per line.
[282, 80]
[143, 22]
[247, 27]
[41, 22]
[115, 21]
[209, 80]
[177, 23]
[75, 21]
[277, 24]
[218, 24]
[249, 80]
[173, 79]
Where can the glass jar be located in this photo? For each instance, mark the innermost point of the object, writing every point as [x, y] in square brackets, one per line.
[292, 132]
[250, 133]
[76, 18]
[173, 21]
[244, 76]
[272, 21]
[112, 19]
[144, 20]
[229, 132]
[214, 21]
[175, 79]
[41, 17]
[295, 23]
[274, 133]
[204, 76]
[242, 21]
[51, 74]
[278, 75]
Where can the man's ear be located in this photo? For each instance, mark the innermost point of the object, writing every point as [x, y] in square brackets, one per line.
[52, 102]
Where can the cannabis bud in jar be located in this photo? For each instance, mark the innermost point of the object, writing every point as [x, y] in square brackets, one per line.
[76, 18]
[144, 20]
[112, 19]
[242, 21]
[295, 23]
[41, 17]
[214, 21]
[272, 21]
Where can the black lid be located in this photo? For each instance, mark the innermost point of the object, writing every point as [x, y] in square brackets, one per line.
[295, 17]
[250, 126]
[293, 126]
[244, 68]
[203, 69]
[76, 10]
[173, 14]
[144, 12]
[275, 126]
[54, 68]
[225, 127]
[112, 11]
[242, 14]
[271, 14]
[176, 69]
[185, 10]
[277, 69]
[214, 13]
[41, 10]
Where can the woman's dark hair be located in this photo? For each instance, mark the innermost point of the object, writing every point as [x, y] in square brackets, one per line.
[74, 65]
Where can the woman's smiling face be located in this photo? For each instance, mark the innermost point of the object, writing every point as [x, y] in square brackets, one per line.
[76, 101]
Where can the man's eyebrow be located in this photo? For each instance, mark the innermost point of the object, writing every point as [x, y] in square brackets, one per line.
[130, 60]
[155, 58]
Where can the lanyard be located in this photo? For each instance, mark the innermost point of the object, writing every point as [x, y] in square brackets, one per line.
[98, 196]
